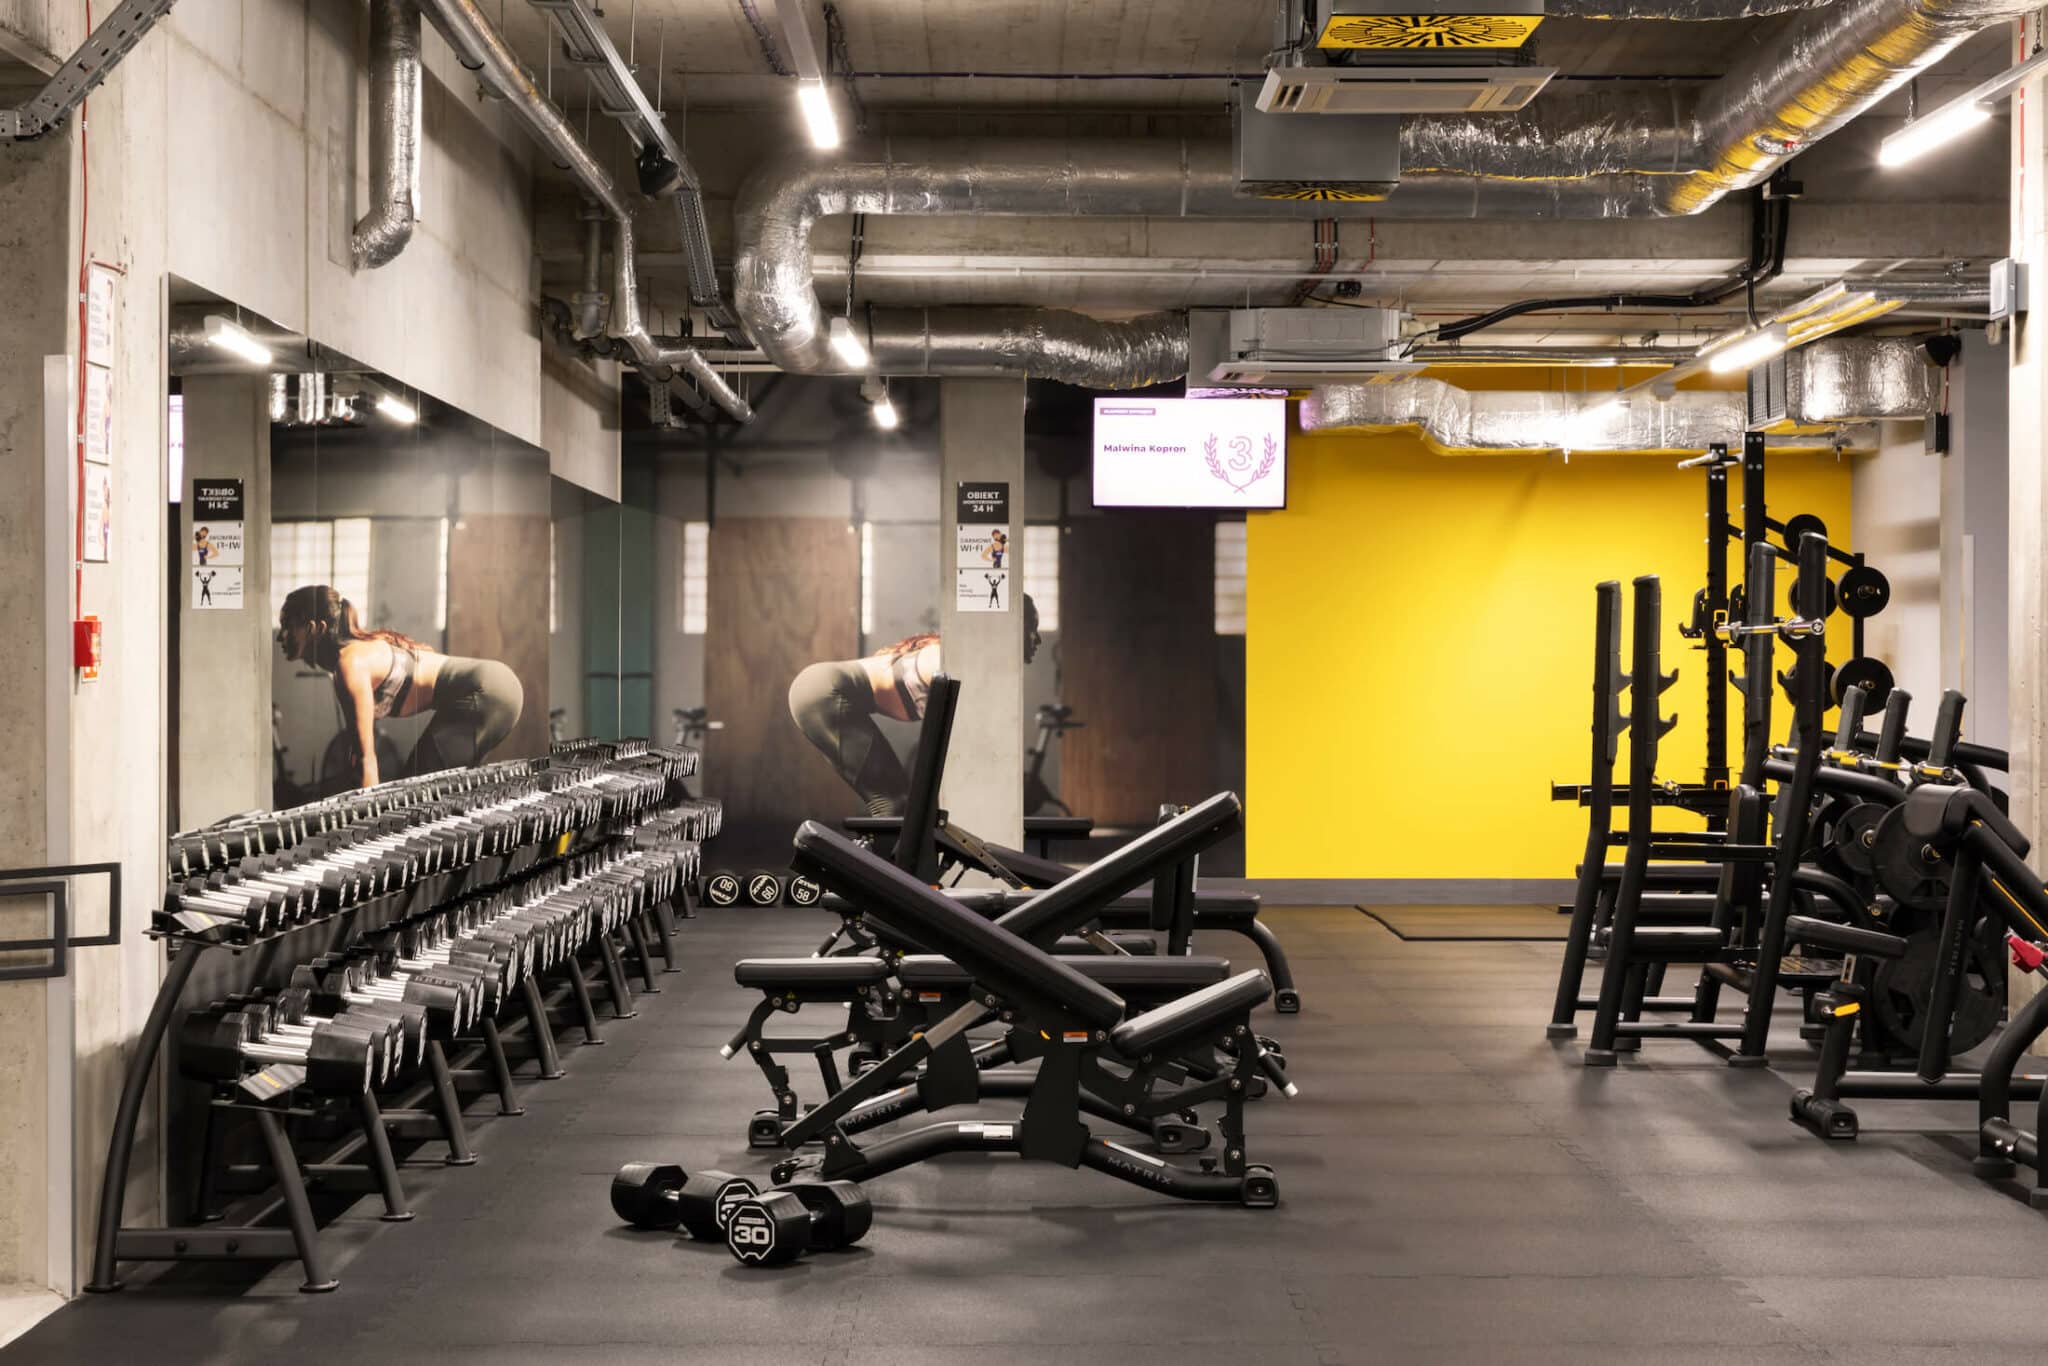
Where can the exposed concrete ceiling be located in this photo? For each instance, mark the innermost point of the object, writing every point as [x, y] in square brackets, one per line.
[1120, 68]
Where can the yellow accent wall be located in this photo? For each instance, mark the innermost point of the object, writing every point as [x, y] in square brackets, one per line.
[1419, 647]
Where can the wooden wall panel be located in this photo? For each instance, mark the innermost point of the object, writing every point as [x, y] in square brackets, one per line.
[498, 609]
[1138, 645]
[784, 593]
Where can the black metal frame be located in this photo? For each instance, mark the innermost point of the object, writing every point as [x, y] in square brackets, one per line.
[55, 883]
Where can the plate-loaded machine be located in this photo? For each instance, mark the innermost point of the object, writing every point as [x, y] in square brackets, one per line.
[1079, 1031]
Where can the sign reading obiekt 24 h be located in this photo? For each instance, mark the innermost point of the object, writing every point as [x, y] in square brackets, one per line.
[1191, 453]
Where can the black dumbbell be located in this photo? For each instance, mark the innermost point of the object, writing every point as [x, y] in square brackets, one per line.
[764, 888]
[338, 1060]
[804, 891]
[811, 1216]
[722, 888]
[659, 1196]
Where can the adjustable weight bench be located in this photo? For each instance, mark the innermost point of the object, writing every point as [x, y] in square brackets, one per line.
[890, 996]
[1058, 1015]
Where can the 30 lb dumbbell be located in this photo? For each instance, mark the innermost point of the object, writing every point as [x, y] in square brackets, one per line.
[660, 1196]
[810, 1216]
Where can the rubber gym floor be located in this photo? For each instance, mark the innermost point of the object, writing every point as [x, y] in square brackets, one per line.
[1454, 1189]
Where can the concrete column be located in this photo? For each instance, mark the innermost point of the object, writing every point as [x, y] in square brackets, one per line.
[225, 657]
[981, 440]
[1974, 511]
[35, 592]
[2027, 604]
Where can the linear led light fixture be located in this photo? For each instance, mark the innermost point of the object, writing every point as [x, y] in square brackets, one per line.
[1958, 116]
[397, 409]
[847, 345]
[1740, 352]
[819, 121]
[232, 339]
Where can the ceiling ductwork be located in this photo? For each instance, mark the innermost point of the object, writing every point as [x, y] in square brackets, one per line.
[1682, 11]
[1667, 153]
[1832, 383]
[395, 135]
[481, 48]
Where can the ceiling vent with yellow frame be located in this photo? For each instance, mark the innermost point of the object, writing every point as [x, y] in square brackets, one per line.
[1408, 26]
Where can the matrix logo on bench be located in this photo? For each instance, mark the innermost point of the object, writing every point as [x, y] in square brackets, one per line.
[751, 1234]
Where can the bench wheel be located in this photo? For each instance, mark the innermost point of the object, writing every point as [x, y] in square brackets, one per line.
[764, 1130]
[1287, 1001]
[1261, 1188]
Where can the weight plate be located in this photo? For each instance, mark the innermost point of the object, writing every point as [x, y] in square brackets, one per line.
[722, 889]
[1829, 597]
[1865, 591]
[1904, 985]
[1855, 837]
[1798, 526]
[1871, 675]
[1907, 870]
[1790, 679]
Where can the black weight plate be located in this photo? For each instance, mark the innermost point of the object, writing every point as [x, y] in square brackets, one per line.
[1829, 598]
[1871, 675]
[1865, 591]
[1904, 985]
[1855, 837]
[1799, 525]
[1790, 679]
[1907, 870]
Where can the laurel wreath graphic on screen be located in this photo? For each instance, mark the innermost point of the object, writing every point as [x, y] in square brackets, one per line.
[1230, 470]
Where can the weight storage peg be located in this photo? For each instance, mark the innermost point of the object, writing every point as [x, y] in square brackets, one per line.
[810, 1216]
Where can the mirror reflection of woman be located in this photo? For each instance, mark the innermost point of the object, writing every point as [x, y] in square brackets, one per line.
[475, 702]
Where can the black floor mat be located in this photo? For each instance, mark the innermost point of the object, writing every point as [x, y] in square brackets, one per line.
[1480, 924]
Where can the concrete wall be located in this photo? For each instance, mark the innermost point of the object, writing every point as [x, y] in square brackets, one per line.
[229, 150]
[1896, 502]
[1974, 537]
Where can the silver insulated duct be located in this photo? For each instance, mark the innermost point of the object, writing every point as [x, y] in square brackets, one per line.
[395, 135]
[1832, 383]
[482, 49]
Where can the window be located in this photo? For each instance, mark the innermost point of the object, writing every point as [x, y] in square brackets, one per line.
[1230, 578]
[1042, 574]
[336, 553]
[694, 594]
[867, 579]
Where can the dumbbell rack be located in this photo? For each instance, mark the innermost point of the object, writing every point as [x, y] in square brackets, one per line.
[253, 1241]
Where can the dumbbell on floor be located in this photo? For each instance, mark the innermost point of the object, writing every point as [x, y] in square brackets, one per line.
[660, 1196]
[723, 888]
[810, 1216]
[764, 888]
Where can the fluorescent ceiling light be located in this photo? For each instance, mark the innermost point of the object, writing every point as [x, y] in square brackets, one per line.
[885, 414]
[819, 120]
[1958, 116]
[1930, 131]
[1744, 353]
[233, 340]
[397, 409]
[846, 344]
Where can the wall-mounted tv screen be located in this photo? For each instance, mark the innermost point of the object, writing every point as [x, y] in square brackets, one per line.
[1190, 453]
